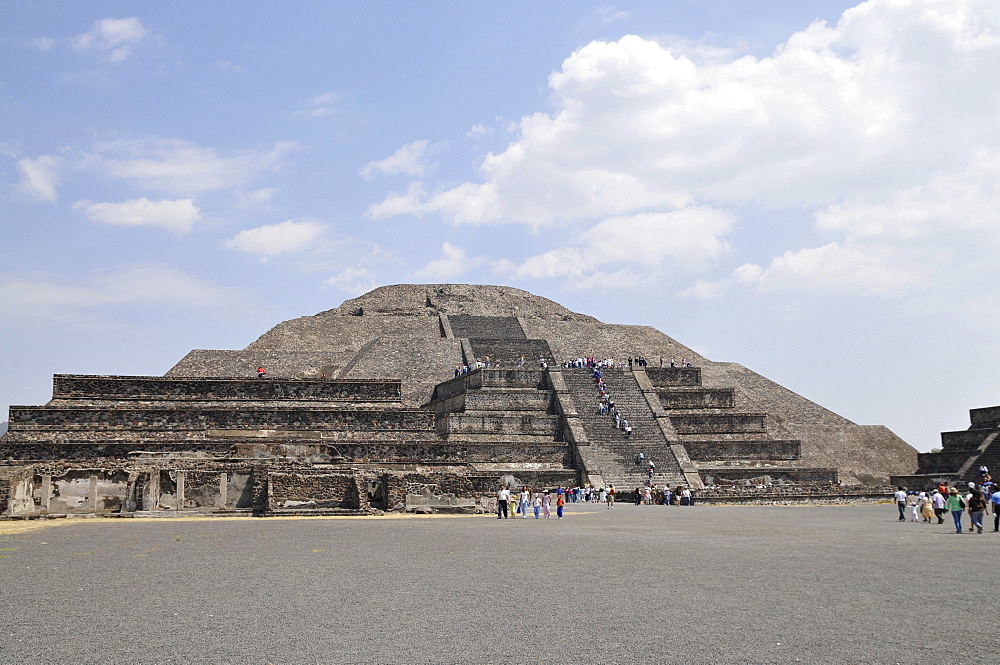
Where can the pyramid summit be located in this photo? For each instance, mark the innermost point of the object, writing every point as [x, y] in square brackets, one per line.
[427, 397]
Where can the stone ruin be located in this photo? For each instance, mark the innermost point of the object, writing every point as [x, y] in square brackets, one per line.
[361, 411]
[961, 454]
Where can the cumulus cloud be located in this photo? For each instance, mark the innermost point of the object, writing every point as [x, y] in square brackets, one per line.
[883, 126]
[409, 160]
[453, 264]
[40, 176]
[178, 216]
[834, 268]
[275, 239]
[257, 197]
[140, 284]
[114, 39]
[353, 280]
[638, 246]
[184, 168]
[945, 203]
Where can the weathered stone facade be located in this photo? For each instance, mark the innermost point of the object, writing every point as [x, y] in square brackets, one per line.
[961, 454]
[362, 411]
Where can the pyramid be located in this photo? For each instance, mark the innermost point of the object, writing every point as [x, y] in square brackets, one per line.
[425, 397]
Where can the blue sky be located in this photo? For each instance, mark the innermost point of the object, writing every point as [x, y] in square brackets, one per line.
[807, 188]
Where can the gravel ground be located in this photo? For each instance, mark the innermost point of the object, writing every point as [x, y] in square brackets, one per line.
[649, 584]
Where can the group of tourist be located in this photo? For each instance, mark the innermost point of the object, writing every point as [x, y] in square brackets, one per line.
[524, 501]
[606, 405]
[651, 495]
[978, 501]
[632, 362]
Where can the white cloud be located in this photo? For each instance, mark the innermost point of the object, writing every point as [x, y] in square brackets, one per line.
[946, 203]
[891, 91]
[453, 264]
[706, 289]
[228, 66]
[321, 106]
[394, 205]
[114, 39]
[859, 270]
[40, 176]
[410, 160]
[275, 239]
[353, 280]
[183, 168]
[611, 14]
[140, 284]
[178, 216]
[257, 197]
[640, 246]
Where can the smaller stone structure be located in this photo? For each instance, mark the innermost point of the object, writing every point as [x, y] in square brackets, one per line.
[961, 454]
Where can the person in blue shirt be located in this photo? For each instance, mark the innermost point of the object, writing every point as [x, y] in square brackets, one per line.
[995, 500]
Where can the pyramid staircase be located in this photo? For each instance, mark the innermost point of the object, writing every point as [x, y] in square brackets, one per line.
[614, 455]
[497, 340]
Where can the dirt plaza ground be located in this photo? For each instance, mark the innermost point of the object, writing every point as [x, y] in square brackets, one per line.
[649, 584]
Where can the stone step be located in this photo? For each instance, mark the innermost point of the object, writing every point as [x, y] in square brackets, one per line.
[485, 327]
[612, 450]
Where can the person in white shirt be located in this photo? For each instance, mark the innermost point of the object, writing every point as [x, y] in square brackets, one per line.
[503, 499]
[900, 497]
[525, 501]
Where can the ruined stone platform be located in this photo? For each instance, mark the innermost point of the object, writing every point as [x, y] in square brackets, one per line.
[420, 390]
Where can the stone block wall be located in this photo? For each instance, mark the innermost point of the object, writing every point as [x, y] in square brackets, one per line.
[71, 419]
[963, 440]
[485, 327]
[665, 377]
[491, 378]
[69, 386]
[697, 399]
[398, 484]
[312, 489]
[703, 451]
[508, 352]
[504, 425]
[495, 400]
[725, 475]
[988, 417]
[719, 423]
[503, 452]
[944, 462]
[78, 452]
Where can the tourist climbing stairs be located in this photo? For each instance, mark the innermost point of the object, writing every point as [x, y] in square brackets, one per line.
[616, 455]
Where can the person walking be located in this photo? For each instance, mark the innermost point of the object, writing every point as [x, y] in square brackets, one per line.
[536, 503]
[546, 502]
[956, 507]
[938, 501]
[503, 498]
[977, 509]
[995, 500]
[560, 502]
[611, 496]
[900, 496]
[926, 507]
